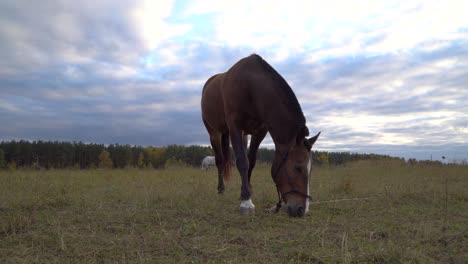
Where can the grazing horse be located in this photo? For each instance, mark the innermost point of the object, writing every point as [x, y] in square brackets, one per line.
[251, 98]
[207, 162]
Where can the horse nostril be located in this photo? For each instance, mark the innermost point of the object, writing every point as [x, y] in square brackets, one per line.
[300, 211]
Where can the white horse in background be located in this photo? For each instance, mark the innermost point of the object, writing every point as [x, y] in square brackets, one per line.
[207, 162]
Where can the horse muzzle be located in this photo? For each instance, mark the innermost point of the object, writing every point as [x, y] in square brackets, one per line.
[295, 210]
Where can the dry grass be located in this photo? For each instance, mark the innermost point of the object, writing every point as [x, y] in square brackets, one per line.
[153, 216]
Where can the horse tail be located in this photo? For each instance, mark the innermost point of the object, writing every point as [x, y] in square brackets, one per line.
[227, 170]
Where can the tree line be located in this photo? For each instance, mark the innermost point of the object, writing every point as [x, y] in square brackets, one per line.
[55, 154]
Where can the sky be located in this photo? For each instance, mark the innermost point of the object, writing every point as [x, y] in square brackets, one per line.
[385, 77]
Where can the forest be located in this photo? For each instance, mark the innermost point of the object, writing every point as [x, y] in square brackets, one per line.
[79, 155]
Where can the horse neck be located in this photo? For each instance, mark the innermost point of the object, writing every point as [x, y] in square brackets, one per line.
[283, 126]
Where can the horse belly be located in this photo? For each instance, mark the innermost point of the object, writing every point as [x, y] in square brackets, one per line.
[251, 126]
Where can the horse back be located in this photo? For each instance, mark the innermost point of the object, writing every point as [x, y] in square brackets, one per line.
[247, 94]
[247, 97]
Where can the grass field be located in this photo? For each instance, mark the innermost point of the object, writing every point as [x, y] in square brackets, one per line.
[416, 215]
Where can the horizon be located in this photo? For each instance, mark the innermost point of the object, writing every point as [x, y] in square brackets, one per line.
[375, 77]
[442, 158]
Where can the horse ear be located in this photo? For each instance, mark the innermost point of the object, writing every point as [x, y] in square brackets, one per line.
[310, 142]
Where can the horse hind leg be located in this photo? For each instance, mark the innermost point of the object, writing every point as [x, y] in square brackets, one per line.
[227, 163]
[215, 140]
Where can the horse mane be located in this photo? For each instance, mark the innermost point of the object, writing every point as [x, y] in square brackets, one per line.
[284, 88]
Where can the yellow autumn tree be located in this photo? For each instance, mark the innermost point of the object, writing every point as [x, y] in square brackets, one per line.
[140, 162]
[324, 159]
[105, 160]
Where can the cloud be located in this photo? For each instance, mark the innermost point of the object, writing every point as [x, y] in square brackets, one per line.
[150, 21]
[330, 29]
[405, 99]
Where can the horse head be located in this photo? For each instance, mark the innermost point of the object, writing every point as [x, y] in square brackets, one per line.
[291, 172]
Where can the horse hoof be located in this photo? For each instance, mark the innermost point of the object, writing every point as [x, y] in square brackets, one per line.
[220, 190]
[247, 211]
[247, 207]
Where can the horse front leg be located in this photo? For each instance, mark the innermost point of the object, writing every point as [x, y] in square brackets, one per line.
[242, 164]
[255, 141]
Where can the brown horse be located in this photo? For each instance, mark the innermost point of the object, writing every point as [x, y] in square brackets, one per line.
[252, 98]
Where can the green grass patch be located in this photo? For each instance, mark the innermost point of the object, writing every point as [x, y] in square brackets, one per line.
[417, 214]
